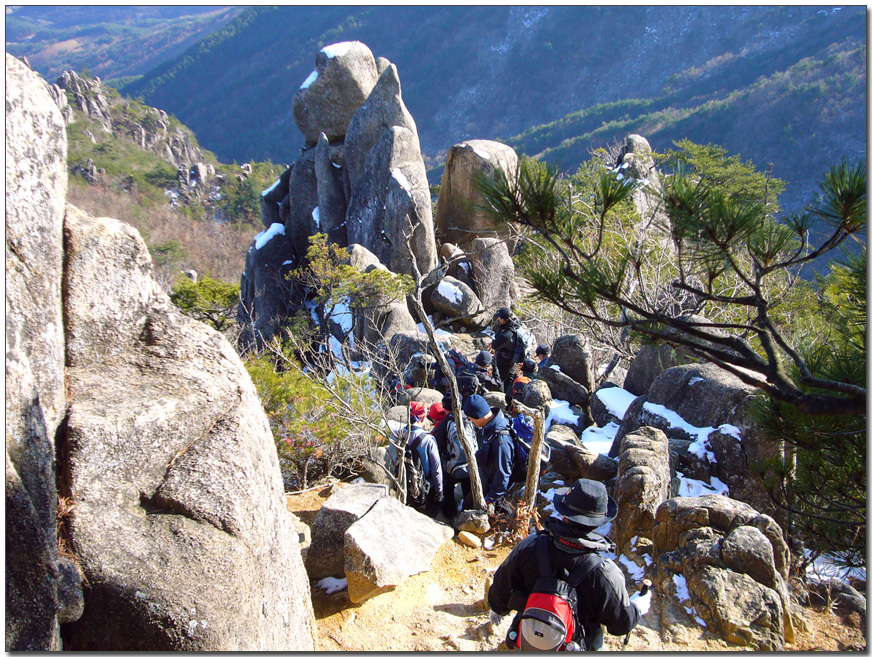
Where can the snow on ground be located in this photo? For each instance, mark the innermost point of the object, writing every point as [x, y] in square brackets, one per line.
[337, 49]
[599, 439]
[559, 414]
[635, 571]
[271, 187]
[309, 80]
[681, 589]
[438, 332]
[450, 292]
[332, 585]
[616, 400]
[341, 315]
[265, 236]
[316, 217]
[401, 179]
[694, 487]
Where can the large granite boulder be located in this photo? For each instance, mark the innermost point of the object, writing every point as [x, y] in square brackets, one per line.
[267, 296]
[180, 524]
[572, 354]
[455, 299]
[643, 484]
[564, 387]
[303, 219]
[648, 363]
[36, 184]
[332, 202]
[571, 459]
[734, 564]
[493, 273]
[344, 75]
[389, 211]
[458, 217]
[326, 555]
[384, 109]
[387, 545]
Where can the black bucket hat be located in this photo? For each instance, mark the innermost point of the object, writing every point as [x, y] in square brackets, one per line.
[587, 503]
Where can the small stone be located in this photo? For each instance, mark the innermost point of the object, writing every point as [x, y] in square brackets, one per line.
[469, 539]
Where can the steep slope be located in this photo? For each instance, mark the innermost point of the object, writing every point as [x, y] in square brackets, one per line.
[728, 75]
[109, 41]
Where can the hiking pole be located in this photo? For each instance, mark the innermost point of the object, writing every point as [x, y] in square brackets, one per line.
[646, 585]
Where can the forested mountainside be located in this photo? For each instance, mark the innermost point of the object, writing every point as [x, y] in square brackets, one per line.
[109, 41]
[774, 84]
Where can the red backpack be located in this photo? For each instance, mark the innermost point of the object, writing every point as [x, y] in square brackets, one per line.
[548, 619]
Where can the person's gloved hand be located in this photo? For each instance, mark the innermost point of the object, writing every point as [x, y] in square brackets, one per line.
[495, 618]
[643, 602]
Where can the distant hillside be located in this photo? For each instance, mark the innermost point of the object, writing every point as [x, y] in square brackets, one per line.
[774, 84]
[109, 41]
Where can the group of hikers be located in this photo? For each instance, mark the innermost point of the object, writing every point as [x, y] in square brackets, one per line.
[558, 580]
[436, 460]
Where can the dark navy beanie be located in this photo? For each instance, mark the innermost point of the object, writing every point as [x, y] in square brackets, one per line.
[484, 358]
[476, 407]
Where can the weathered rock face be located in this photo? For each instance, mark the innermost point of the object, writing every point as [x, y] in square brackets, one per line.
[536, 394]
[88, 94]
[271, 199]
[384, 109]
[735, 563]
[453, 298]
[302, 203]
[172, 467]
[493, 273]
[572, 460]
[391, 201]
[643, 483]
[36, 183]
[458, 219]
[344, 75]
[573, 355]
[387, 545]
[267, 297]
[650, 361]
[332, 202]
[326, 556]
[564, 387]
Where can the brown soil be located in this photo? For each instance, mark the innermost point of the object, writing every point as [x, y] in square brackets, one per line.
[443, 609]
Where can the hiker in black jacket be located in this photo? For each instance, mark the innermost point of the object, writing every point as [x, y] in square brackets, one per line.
[505, 343]
[602, 595]
[484, 372]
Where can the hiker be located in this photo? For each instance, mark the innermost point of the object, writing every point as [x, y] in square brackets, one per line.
[543, 355]
[455, 469]
[484, 371]
[528, 373]
[496, 452]
[507, 344]
[424, 469]
[570, 550]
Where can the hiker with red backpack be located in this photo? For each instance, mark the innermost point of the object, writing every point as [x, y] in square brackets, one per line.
[561, 584]
[528, 373]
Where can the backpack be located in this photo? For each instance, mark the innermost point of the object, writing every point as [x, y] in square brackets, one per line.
[521, 457]
[547, 621]
[456, 360]
[519, 385]
[417, 471]
[455, 457]
[467, 382]
[524, 347]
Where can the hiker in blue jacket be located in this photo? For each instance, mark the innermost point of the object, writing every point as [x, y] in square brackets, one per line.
[425, 445]
[602, 595]
[497, 450]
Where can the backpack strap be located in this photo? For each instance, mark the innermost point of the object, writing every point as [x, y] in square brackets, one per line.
[590, 562]
[542, 545]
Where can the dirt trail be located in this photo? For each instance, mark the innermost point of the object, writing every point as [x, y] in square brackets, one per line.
[443, 609]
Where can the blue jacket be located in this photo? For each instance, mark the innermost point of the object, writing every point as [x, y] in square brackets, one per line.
[426, 447]
[495, 457]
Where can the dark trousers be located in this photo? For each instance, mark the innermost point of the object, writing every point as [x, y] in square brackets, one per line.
[450, 507]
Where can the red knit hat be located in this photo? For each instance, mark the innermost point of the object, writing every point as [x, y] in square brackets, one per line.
[418, 410]
[437, 412]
